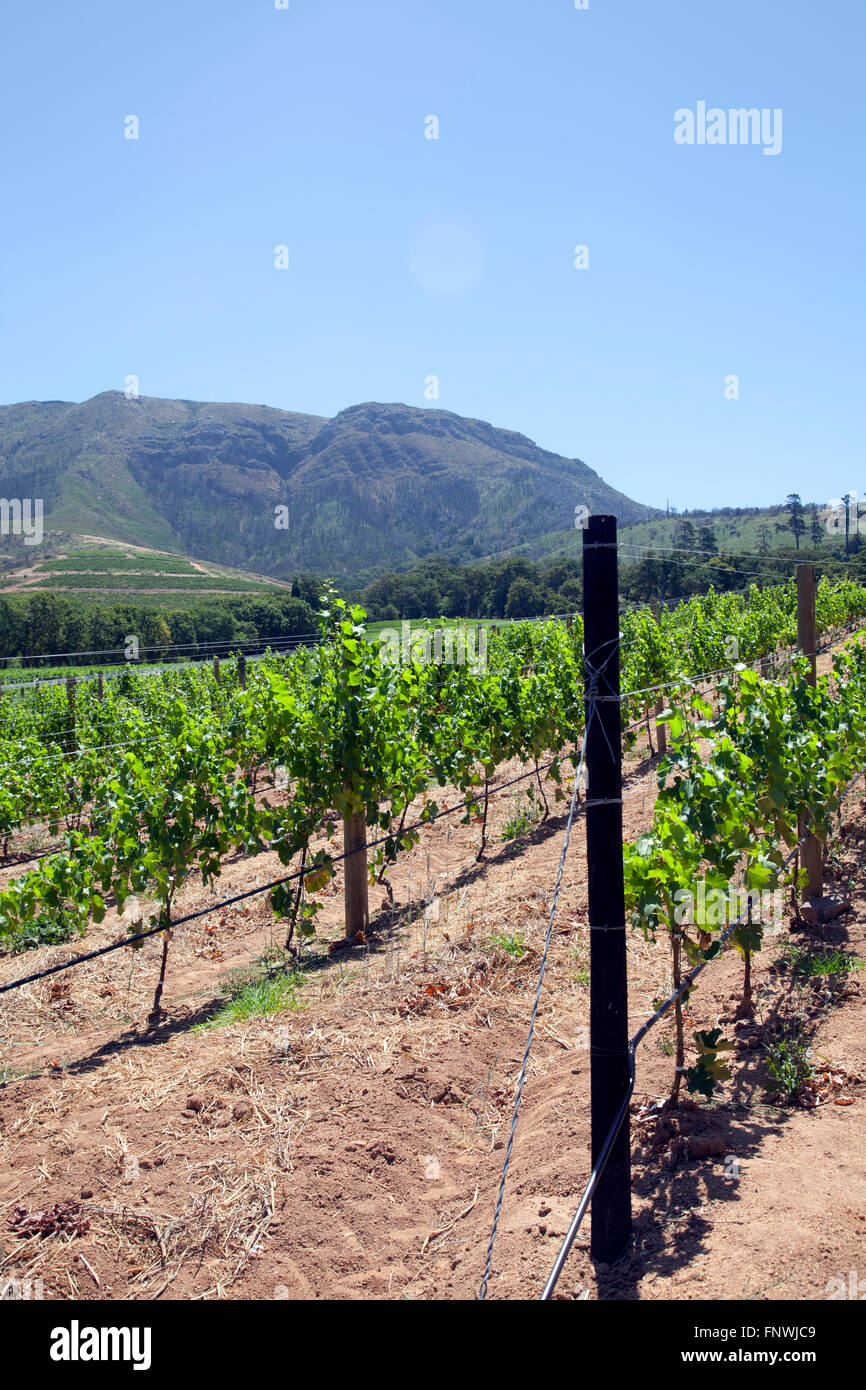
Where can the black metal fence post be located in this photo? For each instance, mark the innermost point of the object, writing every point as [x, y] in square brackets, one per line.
[608, 1008]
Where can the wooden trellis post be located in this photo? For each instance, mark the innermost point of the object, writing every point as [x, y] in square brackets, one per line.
[355, 875]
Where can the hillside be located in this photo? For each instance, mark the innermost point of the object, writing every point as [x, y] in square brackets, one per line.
[100, 571]
[377, 487]
[752, 531]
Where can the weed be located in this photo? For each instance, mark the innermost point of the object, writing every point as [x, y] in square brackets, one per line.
[270, 986]
[514, 945]
[579, 954]
[788, 1063]
[806, 962]
[8, 1074]
[49, 928]
[520, 822]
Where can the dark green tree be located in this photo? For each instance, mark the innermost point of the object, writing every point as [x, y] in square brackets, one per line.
[796, 522]
[707, 541]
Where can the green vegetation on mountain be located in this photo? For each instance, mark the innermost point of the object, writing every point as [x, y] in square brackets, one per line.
[378, 487]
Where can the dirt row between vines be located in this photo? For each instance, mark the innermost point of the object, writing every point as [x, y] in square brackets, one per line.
[352, 1147]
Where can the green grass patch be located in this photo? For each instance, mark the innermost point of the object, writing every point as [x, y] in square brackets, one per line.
[12, 675]
[581, 974]
[8, 1074]
[381, 625]
[514, 945]
[270, 986]
[808, 962]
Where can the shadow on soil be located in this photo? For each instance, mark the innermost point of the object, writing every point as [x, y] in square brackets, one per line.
[699, 1154]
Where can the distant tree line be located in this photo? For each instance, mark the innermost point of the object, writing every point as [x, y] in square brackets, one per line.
[676, 576]
[508, 588]
[38, 624]
[35, 625]
[690, 561]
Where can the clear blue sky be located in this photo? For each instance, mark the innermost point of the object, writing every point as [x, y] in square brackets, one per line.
[411, 257]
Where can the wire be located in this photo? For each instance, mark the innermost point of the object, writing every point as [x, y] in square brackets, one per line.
[275, 883]
[594, 675]
[611, 1137]
[641, 552]
[277, 646]
[233, 643]
[238, 644]
[624, 698]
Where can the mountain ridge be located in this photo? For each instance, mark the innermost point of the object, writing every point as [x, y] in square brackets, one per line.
[378, 486]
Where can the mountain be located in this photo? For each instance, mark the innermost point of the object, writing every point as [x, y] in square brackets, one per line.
[377, 487]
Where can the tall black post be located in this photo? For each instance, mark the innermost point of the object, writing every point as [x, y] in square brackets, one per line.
[608, 1000]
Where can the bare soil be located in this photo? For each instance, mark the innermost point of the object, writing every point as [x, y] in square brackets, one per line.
[352, 1147]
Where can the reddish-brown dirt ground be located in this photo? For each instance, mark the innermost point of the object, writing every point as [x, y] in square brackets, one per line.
[351, 1147]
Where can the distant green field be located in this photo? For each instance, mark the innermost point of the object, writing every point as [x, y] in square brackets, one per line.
[156, 600]
[188, 582]
[117, 561]
[16, 675]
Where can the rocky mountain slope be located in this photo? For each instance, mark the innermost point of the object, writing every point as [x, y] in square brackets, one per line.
[377, 487]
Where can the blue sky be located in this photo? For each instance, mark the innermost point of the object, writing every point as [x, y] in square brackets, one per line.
[454, 257]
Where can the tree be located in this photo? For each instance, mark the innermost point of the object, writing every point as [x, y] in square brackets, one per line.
[796, 523]
[707, 541]
[570, 596]
[655, 577]
[816, 530]
[847, 501]
[499, 578]
[418, 597]
[525, 599]
[11, 629]
[157, 633]
[764, 533]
